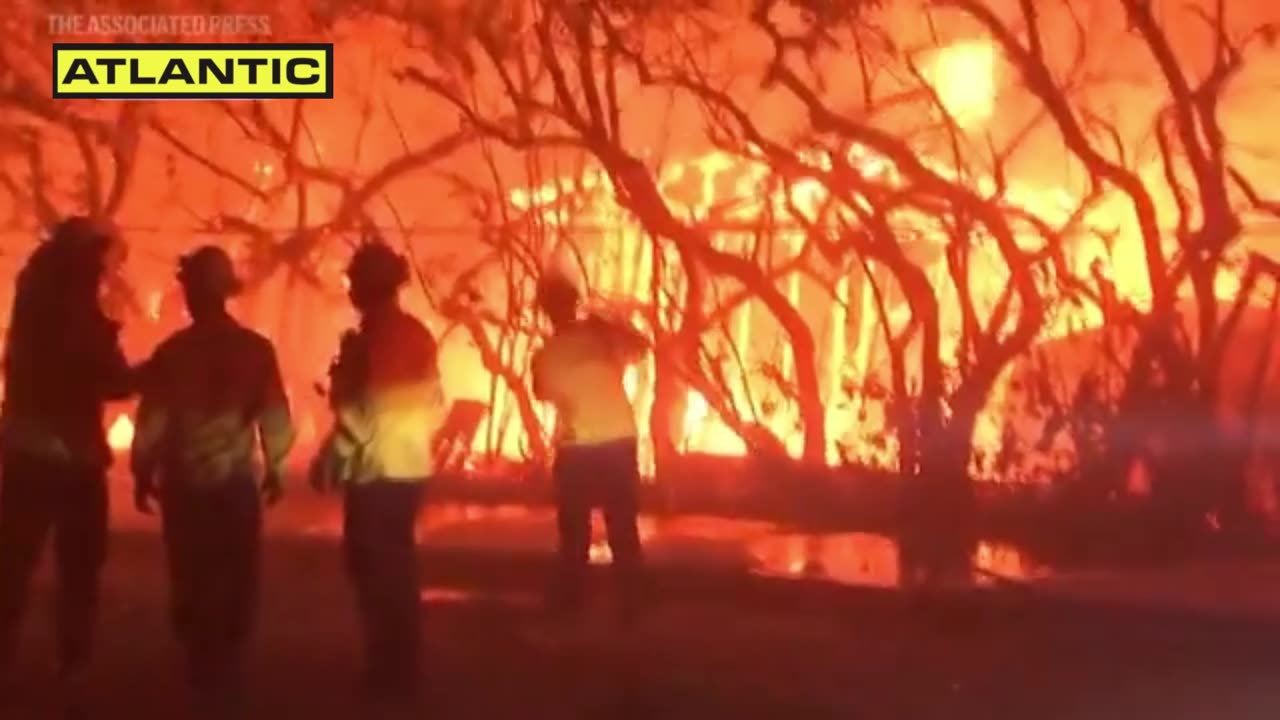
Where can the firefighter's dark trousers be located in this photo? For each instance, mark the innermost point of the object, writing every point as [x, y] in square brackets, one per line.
[39, 497]
[587, 477]
[212, 536]
[381, 549]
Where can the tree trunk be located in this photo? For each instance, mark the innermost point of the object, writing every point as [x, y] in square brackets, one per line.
[938, 524]
[1195, 473]
[938, 530]
[666, 397]
[813, 416]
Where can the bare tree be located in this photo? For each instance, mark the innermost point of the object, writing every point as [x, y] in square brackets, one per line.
[1172, 384]
[561, 91]
[561, 80]
[44, 137]
[86, 156]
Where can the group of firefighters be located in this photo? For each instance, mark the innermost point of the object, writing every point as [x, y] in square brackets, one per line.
[214, 429]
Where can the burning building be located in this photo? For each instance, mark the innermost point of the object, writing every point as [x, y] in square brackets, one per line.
[908, 231]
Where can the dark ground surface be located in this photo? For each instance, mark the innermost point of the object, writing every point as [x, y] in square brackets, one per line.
[720, 647]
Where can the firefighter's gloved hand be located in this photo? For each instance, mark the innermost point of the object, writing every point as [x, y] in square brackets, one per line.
[318, 475]
[327, 470]
[272, 489]
[144, 492]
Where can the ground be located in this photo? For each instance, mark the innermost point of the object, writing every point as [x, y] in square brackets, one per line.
[721, 646]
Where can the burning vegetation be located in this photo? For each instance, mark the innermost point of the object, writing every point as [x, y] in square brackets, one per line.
[948, 240]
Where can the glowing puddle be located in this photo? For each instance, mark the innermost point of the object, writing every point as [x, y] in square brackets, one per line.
[692, 542]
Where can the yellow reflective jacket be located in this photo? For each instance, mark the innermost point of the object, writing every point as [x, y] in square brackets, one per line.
[387, 400]
[580, 371]
[212, 393]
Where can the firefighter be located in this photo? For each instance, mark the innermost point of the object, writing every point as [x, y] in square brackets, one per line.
[388, 406]
[62, 361]
[580, 371]
[212, 399]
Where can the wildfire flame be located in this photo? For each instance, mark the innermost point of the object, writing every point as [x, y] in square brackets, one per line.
[696, 412]
[154, 300]
[120, 435]
[622, 266]
[719, 187]
[964, 76]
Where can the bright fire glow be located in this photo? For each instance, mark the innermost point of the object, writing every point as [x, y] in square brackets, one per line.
[621, 265]
[621, 260]
[695, 414]
[154, 301]
[730, 195]
[964, 77]
[120, 435]
[630, 382]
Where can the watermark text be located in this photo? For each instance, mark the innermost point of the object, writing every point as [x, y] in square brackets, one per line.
[159, 25]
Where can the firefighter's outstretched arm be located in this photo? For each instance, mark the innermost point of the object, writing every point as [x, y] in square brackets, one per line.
[117, 380]
[148, 441]
[276, 432]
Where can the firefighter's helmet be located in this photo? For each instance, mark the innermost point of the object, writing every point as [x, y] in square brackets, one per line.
[377, 270]
[557, 292]
[84, 231]
[86, 242]
[209, 269]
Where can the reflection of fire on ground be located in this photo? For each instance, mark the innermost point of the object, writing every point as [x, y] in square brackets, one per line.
[690, 541]
[868, 559]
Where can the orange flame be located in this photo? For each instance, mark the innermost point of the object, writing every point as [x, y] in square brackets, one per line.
[120, 435]
[154, 301]
[729, 190]
[964, 77]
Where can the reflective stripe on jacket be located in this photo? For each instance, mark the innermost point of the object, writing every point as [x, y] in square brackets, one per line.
[212, 395]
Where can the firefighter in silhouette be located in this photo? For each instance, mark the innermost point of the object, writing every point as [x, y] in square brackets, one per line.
[212, 400]
[580, 371]
[388, 407]
[62, 362]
